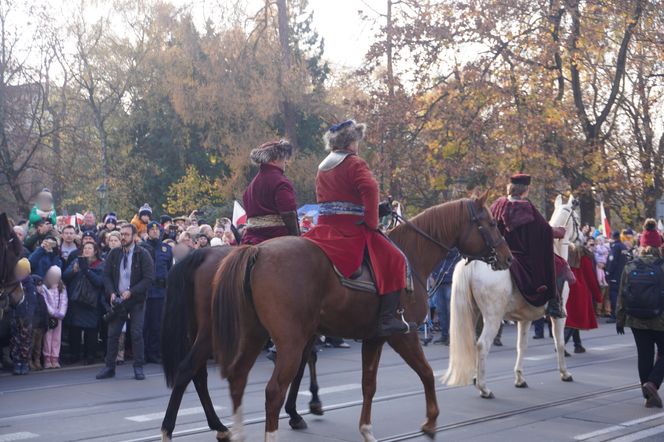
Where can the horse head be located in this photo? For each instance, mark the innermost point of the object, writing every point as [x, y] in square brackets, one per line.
[565, 215]
[11, 291]
[482, 239]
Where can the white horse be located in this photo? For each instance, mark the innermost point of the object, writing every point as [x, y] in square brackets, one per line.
[476, 288]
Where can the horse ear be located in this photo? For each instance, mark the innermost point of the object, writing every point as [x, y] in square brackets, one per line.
[571, 199]
[481, 199]
[558, 202]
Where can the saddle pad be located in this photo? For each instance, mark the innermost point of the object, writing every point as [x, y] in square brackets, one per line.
[363, 283]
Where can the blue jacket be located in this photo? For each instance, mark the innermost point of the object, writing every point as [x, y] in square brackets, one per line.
[445, 269]
[618, 258]
[40, 261]
[162, 255]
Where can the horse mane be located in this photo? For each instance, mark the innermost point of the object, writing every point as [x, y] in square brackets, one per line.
[432, 221]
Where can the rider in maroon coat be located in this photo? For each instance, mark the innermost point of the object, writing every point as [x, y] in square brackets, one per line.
[530, 238]
[270, 198]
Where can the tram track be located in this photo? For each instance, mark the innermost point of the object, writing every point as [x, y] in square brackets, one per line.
[419, 392]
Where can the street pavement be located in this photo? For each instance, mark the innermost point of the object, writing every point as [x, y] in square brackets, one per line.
[603, 403]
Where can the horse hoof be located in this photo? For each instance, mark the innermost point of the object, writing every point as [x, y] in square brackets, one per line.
[165, 437]
[567, 378]
[297, 424]
[429, 431]
[488, 396]
[224, 436]
[523, 384]
[316, 408]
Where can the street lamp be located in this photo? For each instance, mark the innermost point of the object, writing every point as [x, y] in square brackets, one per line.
[101, 193]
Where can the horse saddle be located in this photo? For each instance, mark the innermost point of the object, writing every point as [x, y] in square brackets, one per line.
[363, 280]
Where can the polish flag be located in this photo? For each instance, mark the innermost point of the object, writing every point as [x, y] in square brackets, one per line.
[605, 222]
[74, 220]
[239, 215]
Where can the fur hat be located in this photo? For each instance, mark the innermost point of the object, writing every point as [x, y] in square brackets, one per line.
[145, 210]
[341, 135]
[272, 151]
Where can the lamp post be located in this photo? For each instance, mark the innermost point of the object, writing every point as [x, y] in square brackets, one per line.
[101, 193]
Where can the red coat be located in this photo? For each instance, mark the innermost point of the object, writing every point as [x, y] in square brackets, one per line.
[580, 310]
[344, 238]
[269, 193]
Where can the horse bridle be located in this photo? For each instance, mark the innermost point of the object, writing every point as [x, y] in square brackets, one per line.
[490, 258]
[575, 224]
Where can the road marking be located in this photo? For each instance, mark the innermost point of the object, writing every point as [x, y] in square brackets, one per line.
[654, 431]
[621, 426]
[160, 415]
[609, 347]
[540, 358]
[338, 388]
[23, 435]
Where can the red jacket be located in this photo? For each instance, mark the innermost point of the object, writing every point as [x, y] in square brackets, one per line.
[269, 193]
[344, 238]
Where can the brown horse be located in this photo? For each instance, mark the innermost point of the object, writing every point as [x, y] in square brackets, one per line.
[186, 342]
[11, 290]
[287, 289]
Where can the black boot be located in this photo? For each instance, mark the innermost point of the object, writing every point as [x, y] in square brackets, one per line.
[388, 322]
[553, 307]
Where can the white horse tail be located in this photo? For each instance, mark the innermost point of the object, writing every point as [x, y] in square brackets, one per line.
[463, 317]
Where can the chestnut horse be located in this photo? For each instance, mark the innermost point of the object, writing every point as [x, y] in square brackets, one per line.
[11, 290]
[287, 289]
[186, 342]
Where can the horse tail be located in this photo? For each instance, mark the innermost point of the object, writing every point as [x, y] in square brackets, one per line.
[230, 301]
[178, 319]
[463, 317]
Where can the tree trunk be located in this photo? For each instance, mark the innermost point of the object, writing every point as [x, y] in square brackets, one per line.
[290, 126]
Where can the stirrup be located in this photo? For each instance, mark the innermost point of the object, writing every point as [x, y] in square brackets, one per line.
[400, 312]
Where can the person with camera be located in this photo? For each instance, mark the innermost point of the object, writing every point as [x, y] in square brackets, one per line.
[128, 275]
[43, 228]
[45, 256]
[162, 257]
[640, 306]
[85, 284]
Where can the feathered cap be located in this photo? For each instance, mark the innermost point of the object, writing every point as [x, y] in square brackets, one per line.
[341, 135]
[272, 151]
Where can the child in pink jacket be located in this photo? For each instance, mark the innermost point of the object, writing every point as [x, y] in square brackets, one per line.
[55, 295]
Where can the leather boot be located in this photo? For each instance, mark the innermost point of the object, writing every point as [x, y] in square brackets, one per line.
[553, 307]
[388, 322]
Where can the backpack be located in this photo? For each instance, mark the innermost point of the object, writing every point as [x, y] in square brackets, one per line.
[644, 298]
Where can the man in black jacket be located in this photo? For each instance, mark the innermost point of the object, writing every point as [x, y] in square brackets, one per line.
[128, 274]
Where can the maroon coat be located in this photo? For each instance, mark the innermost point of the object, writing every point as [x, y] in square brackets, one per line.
[530, 238]
[269, 193]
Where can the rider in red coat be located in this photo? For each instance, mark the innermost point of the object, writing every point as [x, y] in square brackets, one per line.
[530, 238]
[270, 198]
[348, 221]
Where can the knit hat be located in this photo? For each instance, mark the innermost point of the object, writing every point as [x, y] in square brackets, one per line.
[111, 218]
[165, 219]
[24, 264]
[650, 236]
[341, 135]
[153, 224]
[271, 151]
[145, 210]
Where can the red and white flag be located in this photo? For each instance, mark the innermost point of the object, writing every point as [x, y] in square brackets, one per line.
[605, 227]
[74, 220]
[239, 215]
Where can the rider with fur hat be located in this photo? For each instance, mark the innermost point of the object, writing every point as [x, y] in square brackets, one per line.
[270, 198]
[348, 221]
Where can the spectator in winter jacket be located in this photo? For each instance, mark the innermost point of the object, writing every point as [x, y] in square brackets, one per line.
[68, 248]
[55, 295]
[45, 257]
[128, 275]
[20, 320]
[39, 328]
[162, 257]
[141, 220]
[44, 209]
[85, 285]
[601, 258]
[89, 223]
[619, 255]
[43, 228]
[648, 333]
